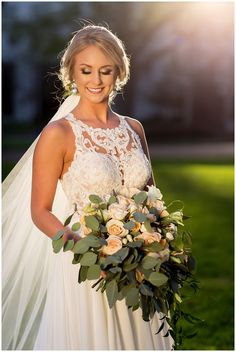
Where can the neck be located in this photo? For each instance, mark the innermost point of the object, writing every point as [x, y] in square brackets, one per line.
[90, 111]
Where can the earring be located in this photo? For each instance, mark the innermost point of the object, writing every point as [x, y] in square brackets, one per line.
[73, 88]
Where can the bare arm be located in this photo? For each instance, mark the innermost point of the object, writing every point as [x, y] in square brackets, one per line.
[47, 167]
[138, 128]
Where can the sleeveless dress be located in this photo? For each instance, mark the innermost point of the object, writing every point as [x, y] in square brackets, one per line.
[75, 316]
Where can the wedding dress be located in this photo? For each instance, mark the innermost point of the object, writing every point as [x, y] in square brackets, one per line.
[44, 307]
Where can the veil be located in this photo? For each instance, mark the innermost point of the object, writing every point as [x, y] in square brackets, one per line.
[26, 252]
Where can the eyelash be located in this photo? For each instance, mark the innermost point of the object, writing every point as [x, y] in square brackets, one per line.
[88, 73]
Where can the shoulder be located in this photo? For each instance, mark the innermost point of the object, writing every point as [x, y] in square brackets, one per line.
[135, 125]
[56, 128]
[54, 135]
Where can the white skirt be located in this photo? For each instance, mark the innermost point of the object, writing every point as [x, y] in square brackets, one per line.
[44, 306]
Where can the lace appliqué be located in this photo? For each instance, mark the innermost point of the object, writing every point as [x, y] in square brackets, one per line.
[104, 160]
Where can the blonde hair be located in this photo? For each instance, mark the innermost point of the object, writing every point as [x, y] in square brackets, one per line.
[108, 42]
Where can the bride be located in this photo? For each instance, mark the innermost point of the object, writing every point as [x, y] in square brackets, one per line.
[86, 148]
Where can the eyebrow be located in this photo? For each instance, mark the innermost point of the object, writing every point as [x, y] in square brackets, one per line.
[100, 67]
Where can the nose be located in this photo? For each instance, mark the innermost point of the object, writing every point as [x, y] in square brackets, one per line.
[96, 78]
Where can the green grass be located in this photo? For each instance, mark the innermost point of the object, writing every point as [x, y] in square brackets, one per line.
[207, 192]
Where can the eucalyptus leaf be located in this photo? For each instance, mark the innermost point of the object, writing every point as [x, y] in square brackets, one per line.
[93, 241]
[112, 292]
[157, 279]
[95, 199]
[145, 306]
[140, 197]
[81, 246]
[88, 259]
[122, 254]
[132, 298]
[76, 226]
[149, 262]
[129, 225]
[135, 244]
[140, 217]
[112, 199]
[76, 258]
[153, 247]
[148, 226]
[57, 245]
[58, 235]
[82, 273]
[103, 228]
[68, 245]
[178, 243]
[129, 267]
[92, 222]
[115, 270]
[146, 290]
[94, 272]
[67, 221]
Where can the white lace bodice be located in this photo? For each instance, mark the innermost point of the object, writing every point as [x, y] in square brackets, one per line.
[104, 160]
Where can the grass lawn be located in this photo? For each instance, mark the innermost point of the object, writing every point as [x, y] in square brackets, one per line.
[207, 192]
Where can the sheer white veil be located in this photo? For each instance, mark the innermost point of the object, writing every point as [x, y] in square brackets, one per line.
[26, 252]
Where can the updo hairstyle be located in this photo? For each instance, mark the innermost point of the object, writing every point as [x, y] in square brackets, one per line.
[108, 42]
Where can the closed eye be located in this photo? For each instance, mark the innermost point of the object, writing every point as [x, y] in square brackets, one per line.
[85, 72]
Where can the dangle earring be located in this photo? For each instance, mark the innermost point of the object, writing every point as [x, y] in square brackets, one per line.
[73, 88]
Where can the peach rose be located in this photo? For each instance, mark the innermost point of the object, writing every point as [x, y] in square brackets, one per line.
[114, 244]
[149, 237]
[116, 228]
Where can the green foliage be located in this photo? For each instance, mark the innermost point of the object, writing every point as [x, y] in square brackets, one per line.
[92, 222]
[207, 191]
[57, 244]
[112, 292]
[140, 197]
[157, 279]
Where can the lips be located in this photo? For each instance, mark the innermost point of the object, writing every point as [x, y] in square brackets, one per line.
[95, 90]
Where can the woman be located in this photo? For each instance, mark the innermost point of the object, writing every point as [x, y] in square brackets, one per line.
[89, 149]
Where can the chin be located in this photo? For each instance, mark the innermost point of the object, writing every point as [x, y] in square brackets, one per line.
[97, 100]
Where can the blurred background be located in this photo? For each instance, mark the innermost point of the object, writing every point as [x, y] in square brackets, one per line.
[181, 89]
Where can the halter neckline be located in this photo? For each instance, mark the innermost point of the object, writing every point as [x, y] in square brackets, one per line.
[85, 125]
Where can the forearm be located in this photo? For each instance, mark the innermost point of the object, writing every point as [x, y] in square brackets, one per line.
[48, 223]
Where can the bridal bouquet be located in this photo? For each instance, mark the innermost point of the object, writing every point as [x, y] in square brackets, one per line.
[136, 251]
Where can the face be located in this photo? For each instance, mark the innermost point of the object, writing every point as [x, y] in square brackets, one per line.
[95, 74]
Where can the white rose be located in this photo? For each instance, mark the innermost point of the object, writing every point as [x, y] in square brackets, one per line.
[106, 214]
[169, 236]
[153, 194]
[123, 200]
[133, 208]
[114, 244]
[117, 211]
[129, 192]
[116, 228]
